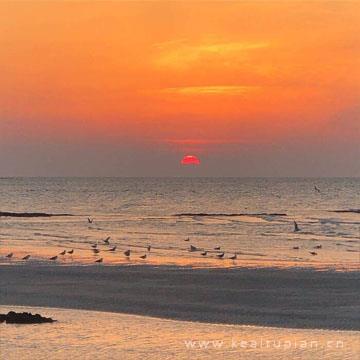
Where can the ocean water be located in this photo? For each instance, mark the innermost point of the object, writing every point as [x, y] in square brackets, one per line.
[164, 212]
[81, 334]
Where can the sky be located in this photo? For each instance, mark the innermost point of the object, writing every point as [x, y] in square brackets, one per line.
[254, 88]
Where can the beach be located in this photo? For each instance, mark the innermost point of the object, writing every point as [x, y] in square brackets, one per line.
[177, 273]
[292, 298]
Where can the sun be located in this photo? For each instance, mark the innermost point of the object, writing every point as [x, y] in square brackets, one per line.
[190, 160]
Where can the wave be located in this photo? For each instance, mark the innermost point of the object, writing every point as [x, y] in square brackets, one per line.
[355, 211]
[29, 214]
[231, 214]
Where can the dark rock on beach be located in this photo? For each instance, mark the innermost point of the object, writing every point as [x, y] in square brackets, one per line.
[24, 318]
[29, 214]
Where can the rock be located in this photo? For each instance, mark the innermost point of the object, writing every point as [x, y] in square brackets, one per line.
[24, 318]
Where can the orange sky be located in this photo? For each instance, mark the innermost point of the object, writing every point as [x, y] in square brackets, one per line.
[205, 78]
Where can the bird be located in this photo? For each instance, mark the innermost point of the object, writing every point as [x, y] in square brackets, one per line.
[90, 221]
[234, 257]
[127, 253]
[63, 252]
[296, 248]
[96, 251]
[313, 253]
[106, 241]
[318, 247]
[217, 248]
[99, 260]
[220, 256]
[113, 248]
[204, 253]
[296, 227]
[316, 189]
[149, 248]
[143, 256]
[54, 258]
[193, 248]
[26, 257]
[94, 246]
[71, 251]
[10, 255]
[187, 239]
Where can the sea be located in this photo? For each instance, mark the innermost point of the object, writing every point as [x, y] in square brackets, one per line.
[82, 334]
[194, 222]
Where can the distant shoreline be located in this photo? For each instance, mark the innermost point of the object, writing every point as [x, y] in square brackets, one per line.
[287, 298]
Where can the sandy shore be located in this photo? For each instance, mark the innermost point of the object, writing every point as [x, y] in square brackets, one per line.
[284, 298]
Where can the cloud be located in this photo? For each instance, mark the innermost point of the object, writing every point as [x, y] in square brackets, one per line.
[180, 54]
[211, 90]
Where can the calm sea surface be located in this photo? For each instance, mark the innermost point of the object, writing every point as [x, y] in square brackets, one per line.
[164, 212]
[80, 334]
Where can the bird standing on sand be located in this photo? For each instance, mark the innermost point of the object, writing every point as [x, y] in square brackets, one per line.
[149, 248]
[217, 248]
[318, 247]
[63, 252]
[143, 257]
[220, 256]
[99, 260]
[54, 258]
[106, 241]
[10, 255]
[113, 248]
[187, 239]
[94, 246]
[204, 253]
[296, 227]
[26, 257]
[316, 189]
[96, 251]
[234, 257]
[127, 253]
[296, 248]
[313, 253]
[71, 251]
[90, 221]
[193, 248]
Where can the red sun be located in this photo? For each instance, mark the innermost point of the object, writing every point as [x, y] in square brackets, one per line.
[190, 160]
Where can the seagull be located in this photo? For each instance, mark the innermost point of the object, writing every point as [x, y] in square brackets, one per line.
[63, 252]
[71, 251]
[193, 248]
[96, 251]
[313, 253]
[149, 248]
[53, 258]
[296, 248]
[113, 248]
[204, 253]
[318, 247]
[26, 257]
[10, 255]
[99, 260]
[90, 221]
[187, 239]
[217, 248]
[233, 257]
[94, 246]
[127, 253]
[316, 189]
[143, 256]
[220, 256]
[296, 227]
[106, 241]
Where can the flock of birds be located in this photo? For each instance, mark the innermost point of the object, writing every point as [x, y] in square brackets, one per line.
[95, 249]
[127, 253]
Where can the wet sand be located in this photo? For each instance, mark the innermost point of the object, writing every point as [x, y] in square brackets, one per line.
[288, 298]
